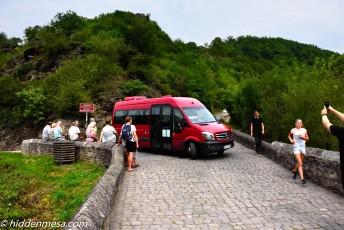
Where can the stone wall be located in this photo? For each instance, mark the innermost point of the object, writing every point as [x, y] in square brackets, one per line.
[37, 147]
[320, 166]
[99, 201]
[97, 205]
[94, 152]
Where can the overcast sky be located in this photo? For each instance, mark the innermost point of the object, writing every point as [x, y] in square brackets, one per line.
[317, 22]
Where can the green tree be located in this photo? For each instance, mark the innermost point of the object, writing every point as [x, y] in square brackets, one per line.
[249, 100]
[10, 104]
[34, 102]
[68, 22]
[10, 86]
[336, 65]
[134, 87]
[31, 33]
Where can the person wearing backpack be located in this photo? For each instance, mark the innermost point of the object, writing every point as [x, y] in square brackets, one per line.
[128, 134]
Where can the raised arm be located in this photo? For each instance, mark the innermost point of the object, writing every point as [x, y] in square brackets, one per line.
[337, 113]
[326, 122]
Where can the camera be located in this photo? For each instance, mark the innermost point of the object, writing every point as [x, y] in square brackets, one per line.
[327, 104]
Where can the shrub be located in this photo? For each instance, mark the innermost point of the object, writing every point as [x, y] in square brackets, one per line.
[34, 104]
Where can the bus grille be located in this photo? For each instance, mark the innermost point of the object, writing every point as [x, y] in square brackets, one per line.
[224, 136]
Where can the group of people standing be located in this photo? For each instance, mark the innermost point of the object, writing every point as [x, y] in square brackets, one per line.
[298, 136]
[108, 133]
[53, 132]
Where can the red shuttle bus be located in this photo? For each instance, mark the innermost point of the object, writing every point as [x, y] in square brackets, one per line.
[177, 124]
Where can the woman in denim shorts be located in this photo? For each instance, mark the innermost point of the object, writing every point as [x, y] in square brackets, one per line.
[298, 137]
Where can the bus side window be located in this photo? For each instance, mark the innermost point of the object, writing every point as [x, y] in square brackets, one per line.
[120, 116]
[140, 116]
[177, 121]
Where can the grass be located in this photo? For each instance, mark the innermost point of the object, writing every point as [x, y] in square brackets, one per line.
[34, 187]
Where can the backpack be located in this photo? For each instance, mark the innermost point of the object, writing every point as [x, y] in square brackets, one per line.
[126, 133]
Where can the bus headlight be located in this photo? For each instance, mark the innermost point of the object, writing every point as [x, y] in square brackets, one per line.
[208, 136]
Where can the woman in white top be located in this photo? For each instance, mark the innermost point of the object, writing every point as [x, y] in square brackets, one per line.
[108, 133]
[298, 137]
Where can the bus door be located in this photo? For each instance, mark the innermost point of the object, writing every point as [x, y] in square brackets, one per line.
[161, 127]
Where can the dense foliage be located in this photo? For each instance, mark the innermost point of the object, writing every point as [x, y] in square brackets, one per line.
[74, 60]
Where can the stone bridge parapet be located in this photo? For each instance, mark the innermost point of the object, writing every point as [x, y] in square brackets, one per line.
[320, 166]
[101, 199]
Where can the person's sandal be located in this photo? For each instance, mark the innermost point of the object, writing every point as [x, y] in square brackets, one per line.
[295, 175]
[303, 181]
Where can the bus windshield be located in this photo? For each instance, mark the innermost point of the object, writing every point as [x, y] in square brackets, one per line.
[199, 115]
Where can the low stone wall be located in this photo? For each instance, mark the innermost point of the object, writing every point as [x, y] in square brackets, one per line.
[99, 201]
[320, 166]
[94, 152]
[37, 147]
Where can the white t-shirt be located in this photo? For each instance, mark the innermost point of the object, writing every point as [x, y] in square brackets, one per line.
[45, 134]
[109, 134]
[73, 133]
[132, 130]
[296, 133]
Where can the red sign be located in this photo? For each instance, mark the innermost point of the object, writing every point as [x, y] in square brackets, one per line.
[86, 108]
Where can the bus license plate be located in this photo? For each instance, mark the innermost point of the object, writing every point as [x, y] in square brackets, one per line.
[226, 146]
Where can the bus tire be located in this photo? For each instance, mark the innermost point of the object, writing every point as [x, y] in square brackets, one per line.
[221, 152]
[192, 150]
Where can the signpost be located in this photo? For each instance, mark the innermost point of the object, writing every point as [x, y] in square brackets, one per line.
[86, 108]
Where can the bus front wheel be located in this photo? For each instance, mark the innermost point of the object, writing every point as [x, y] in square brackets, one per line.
[192, 150]
[221, 152]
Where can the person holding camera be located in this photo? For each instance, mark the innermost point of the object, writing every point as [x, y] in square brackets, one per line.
[298, 137]
[336, 131]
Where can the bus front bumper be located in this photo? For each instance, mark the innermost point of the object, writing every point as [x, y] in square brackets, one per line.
[214, 146]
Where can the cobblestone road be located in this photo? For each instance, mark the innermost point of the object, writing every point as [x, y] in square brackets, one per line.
[236, 191]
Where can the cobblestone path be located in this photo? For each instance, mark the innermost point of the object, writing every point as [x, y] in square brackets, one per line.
[237, 191]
